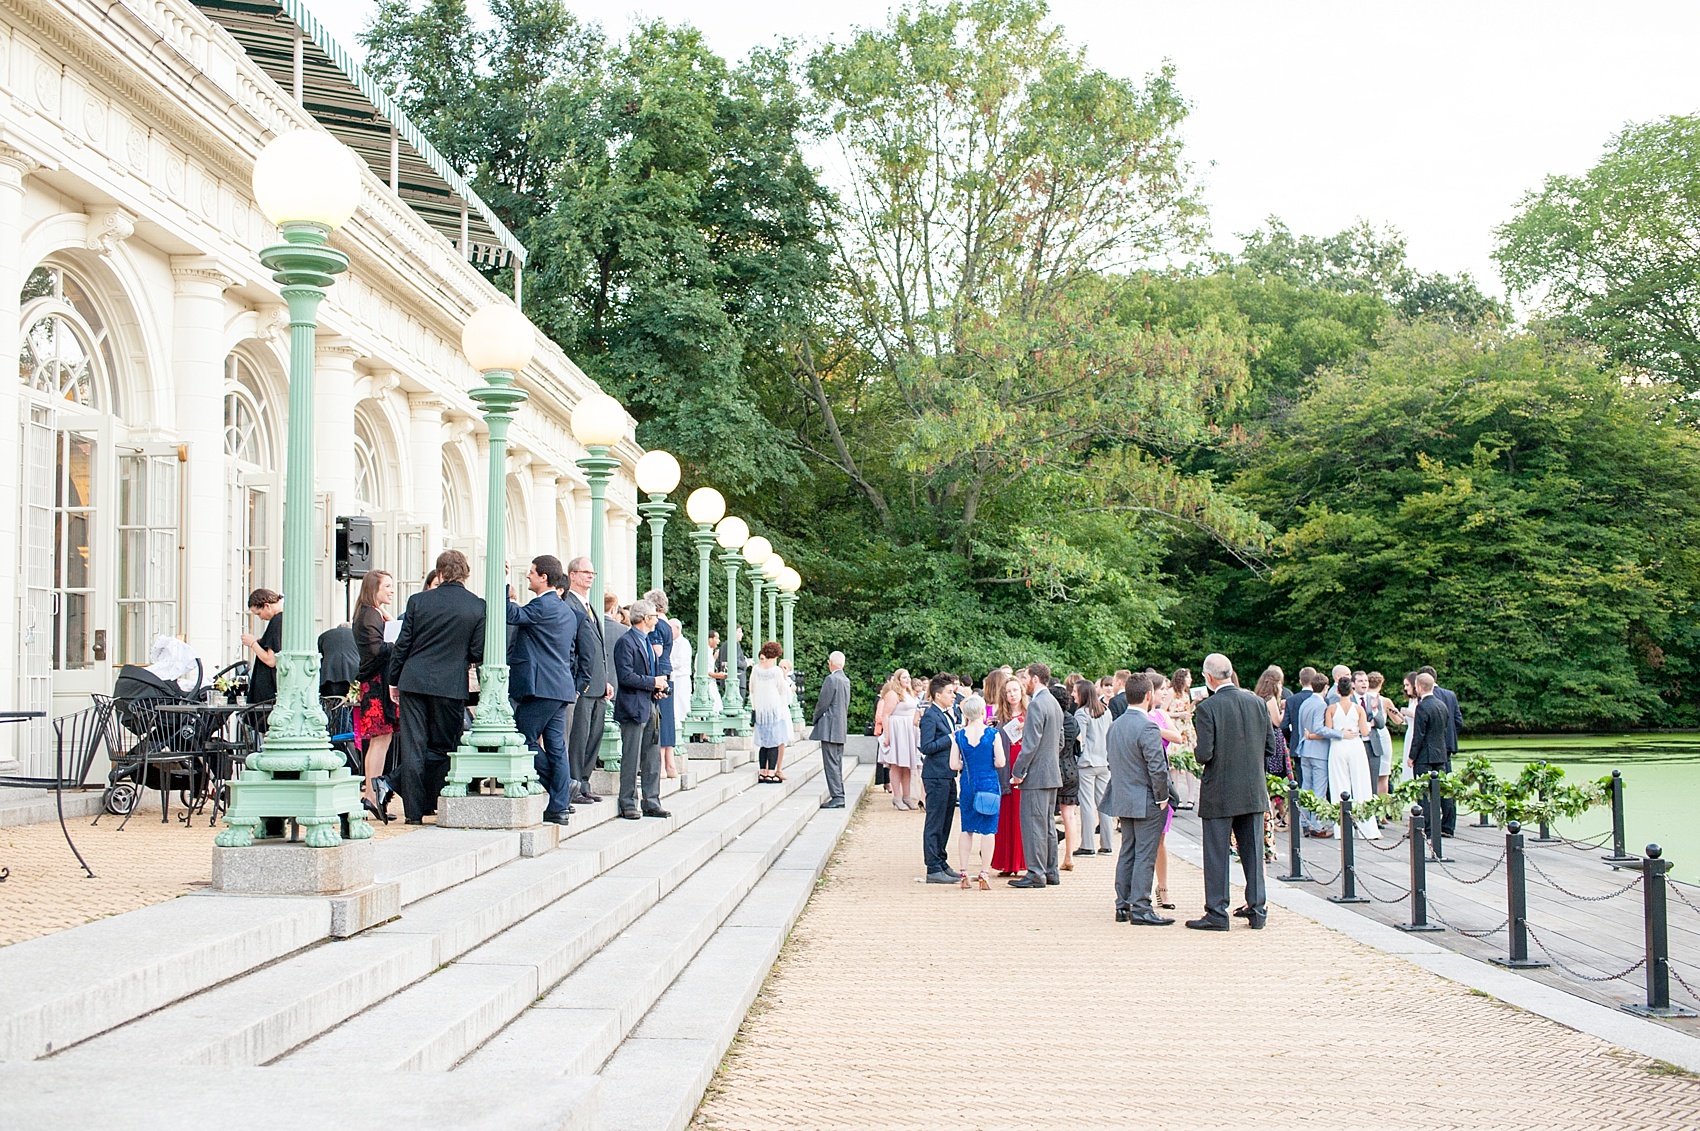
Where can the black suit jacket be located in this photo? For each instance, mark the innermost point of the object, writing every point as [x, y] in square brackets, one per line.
[634, 668]
[590, 670]
[1428, 734]
[1234, 737]
[542, 642]
[1454, 718]
[1290, 718]
[442, 633]
[1118, 704]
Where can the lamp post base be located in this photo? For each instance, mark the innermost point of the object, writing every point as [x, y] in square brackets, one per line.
[608, 751]
[323, 804]
[504, 757]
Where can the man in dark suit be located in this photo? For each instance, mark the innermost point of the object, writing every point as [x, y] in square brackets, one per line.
[938, 780]
[1139, 800]
[1454, 717]
[1038, 771]
[1430, 728]
[640, 687]
[442, 634]
[1118, 701]
[542, 653]
[593, 679]
[832, 712]
[1290, 715]
[1234, 739]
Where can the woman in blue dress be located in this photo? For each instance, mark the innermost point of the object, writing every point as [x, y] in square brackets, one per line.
[977, 755]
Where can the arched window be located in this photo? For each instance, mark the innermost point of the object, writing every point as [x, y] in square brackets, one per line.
[250, 480]
[66, 354]
[368, 482]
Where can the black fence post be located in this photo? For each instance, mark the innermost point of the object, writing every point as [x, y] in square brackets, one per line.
[1419, 878]
[1348, 858]
[1432, 818]
[1516, 903]
[1618, 855]
[1295, 836]
[1545, 836]
[1653, 871]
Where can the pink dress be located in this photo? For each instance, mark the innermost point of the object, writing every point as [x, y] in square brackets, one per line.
[1163, 723]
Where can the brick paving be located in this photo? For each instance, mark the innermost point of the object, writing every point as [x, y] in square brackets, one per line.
[147, 863]
[900, 1005]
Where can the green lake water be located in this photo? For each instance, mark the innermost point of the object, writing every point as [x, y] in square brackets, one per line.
[1661, 784]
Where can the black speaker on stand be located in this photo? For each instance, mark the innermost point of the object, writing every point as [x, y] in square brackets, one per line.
[354, 540]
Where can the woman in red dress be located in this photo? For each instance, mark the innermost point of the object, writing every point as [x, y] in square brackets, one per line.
[1007, 857]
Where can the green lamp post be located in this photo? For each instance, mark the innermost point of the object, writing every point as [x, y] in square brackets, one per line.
[598, 423]
[498, 342]
[771, 570]
[733, 533]
[756, 552]
[307, 184]
[789, 582]
[657, 475]
[704, 508]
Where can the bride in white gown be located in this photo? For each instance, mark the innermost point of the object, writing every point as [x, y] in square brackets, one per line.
[1348, 762]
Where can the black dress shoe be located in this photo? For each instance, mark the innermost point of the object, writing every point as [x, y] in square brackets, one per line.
[1242, 912]
[415, 821]
[1121, 914]
[555, 819]
[585, 799]
[1025, 882]
[1152, 920]
[656, 811]
[832, 804]
[1053, 881]
[1084, 852]
[630, 815]
[1207, 924]
[1257, 921]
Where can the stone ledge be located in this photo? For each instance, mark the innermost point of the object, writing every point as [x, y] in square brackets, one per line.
[280, 868]
[487, 811]
[355, 911]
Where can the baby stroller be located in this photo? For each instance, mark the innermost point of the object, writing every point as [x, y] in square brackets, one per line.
[153, 748]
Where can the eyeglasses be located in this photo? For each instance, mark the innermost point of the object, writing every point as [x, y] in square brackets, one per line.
[591, 572]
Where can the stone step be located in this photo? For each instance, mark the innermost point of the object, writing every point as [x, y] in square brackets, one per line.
[255, 1019]
[577, 1025]
[435, 1022]
[656, 1078]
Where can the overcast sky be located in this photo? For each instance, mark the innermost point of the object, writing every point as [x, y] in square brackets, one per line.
[1434, 117]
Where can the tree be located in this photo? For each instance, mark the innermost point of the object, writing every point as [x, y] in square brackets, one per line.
[1612, 255]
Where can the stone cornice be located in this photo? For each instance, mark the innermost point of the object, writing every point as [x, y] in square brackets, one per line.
[189, 270]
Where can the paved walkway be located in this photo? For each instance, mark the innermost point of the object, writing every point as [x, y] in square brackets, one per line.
[901, 1005]
[147, 863]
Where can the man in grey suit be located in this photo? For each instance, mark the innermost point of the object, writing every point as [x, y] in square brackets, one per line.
[1139, 800]
[595, 680]
[1235, 737]
[1038, 771]
[832, 715]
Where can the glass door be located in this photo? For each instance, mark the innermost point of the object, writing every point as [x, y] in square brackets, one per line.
[150, 520]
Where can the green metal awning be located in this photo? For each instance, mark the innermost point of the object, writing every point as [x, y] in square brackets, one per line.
[285, 39]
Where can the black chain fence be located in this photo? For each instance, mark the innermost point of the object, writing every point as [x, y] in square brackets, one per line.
[1630, 886]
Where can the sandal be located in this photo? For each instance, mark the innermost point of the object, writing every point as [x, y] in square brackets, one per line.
[985, 884]
[965, 881]
[1163, 898]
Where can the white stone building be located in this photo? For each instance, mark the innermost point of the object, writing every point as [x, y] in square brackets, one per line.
[142, 443]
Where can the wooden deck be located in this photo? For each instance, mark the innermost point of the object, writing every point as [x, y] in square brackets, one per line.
[1585, 916]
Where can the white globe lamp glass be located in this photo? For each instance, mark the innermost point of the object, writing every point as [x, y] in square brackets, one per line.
[498, 337]
[732, 532]
[657, 473]
[773, 567]
[706, 506]
[790, 581]
[599, 421]
[307, 177]
[757, 550]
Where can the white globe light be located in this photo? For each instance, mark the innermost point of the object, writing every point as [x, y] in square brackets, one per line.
[599, 421]
[498, 337]
[757, 550]
[706, 506]
[773, 567]
[307, 177]
[657, 473]
[732, 532]
[790, 581]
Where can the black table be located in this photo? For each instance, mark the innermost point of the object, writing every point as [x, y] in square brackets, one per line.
[17, 717]
[215, 752]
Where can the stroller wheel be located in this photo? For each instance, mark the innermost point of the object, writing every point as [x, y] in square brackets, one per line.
[120, 798]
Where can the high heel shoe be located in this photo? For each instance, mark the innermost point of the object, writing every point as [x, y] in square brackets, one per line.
[985, 884]
[965, 881]
[372, 807]
[1163, 898]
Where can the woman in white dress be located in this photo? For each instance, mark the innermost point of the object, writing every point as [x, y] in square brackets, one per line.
[681, 677]
[1403, 769]
[900, 745]
[770, 712]
[1348, 762]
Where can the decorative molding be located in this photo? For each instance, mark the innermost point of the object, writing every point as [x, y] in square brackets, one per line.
[192, 269]
[377, 384]
[460, 425]
[274, 325]
[336, 349]
[15, 165]
[425, 405]
[109, 227]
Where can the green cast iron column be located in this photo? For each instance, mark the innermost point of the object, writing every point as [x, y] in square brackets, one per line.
[298, 777]
[789, 602]
[733, 717]
[494, 748]
[702, 719]
[655, 514]
[598, 468]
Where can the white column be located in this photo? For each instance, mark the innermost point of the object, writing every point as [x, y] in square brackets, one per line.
[197, 367]
[544, 535]
[14, 167]
[578, 503]
[425, 454]
[333, 457]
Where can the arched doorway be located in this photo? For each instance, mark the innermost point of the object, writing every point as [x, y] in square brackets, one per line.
[253, 503]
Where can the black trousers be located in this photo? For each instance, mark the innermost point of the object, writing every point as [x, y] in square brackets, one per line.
[585, 738]
[1247, 832]
[1448, 805]
[941, 811]
[430, 726]
[767, 758]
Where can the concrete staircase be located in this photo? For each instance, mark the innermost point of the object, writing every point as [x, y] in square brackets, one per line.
[617, 967]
